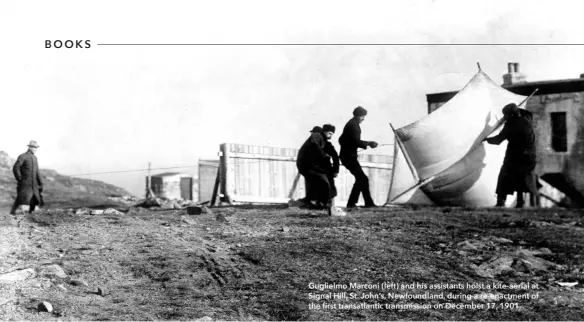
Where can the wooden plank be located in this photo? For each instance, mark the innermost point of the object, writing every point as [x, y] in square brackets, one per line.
[294, 184]
[256, 199]
[216, 187]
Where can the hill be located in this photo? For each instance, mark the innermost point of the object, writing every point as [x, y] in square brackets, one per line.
[60, 190]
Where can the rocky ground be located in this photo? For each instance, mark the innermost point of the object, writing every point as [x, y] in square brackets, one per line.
[262, 263]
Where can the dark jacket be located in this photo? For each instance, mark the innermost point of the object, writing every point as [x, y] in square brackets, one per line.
[331, 168]
[311, 155]
[350, 140]
[521, 153]
[26, 172]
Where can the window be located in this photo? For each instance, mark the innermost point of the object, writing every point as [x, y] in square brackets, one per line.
[559, 132]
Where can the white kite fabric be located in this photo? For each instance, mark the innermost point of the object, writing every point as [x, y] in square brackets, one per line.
[445, 147]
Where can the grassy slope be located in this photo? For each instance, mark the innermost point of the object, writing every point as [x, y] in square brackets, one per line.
[162, 265]
[62, 191]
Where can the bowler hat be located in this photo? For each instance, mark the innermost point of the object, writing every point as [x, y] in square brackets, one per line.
[328, 128]
[316, 129]
[33, 144]
[510, 109]
[359, 111]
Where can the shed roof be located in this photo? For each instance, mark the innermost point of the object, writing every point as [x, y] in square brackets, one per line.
[171, 174]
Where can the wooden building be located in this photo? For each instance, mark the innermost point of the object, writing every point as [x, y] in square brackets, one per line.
[174, 185]
[558, 112]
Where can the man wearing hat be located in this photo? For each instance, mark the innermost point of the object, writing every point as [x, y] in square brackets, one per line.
[30, 183]
[331, 166]
[311, 163]
[517, 172]
[350, 141]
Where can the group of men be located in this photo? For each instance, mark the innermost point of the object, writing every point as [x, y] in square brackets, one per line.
[318, 161]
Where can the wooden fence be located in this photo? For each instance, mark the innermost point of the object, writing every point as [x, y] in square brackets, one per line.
[261, 174]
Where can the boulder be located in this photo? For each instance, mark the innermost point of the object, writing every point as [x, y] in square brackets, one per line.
[18, 275]
[45, 306]
[52, 271]
[82, 211]
[102, 291]
[112, 211]
[495, 267]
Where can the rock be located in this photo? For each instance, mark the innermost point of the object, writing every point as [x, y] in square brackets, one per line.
[62, 287]
[78, 282]
[539, 223]
[500, 240]
[112, 211]
[221, 218]
[532, 263]
[338, 212]
[45, 306]
[96, 212]
[52, 271]
[526, 253]
[495, 266]
[206, 210]
[471, 245]
[194, 210]
[18, 275]
[285, 229]
[102, 291]
[82, 211]
[186, 220]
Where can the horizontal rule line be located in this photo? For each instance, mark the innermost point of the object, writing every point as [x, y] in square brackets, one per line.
[340, 44]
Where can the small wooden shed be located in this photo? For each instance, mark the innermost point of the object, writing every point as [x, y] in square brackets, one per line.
[173, 185]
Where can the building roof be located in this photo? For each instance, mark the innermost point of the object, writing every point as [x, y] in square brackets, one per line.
[171, 174]
[525, 88]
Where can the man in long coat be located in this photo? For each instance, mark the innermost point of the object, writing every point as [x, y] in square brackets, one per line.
[350, 141]
[30, 183]
[517, 172]
[332, 165]
[310, 163]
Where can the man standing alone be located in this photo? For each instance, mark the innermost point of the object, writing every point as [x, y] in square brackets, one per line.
[30, 184]
[350, 141]
[517, 172]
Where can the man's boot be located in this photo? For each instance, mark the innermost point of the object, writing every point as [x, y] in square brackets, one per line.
[520, 200]
[501, 200]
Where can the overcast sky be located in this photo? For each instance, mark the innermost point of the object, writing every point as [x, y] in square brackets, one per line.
[111, 108]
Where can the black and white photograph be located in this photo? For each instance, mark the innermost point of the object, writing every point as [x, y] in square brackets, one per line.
[256, 160]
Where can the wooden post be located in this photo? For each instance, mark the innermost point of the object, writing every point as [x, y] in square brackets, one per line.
[293, 189]
[149, 193]
[216, 187]
[227, 179]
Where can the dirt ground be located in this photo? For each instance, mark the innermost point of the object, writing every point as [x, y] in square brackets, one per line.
[273, 263]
